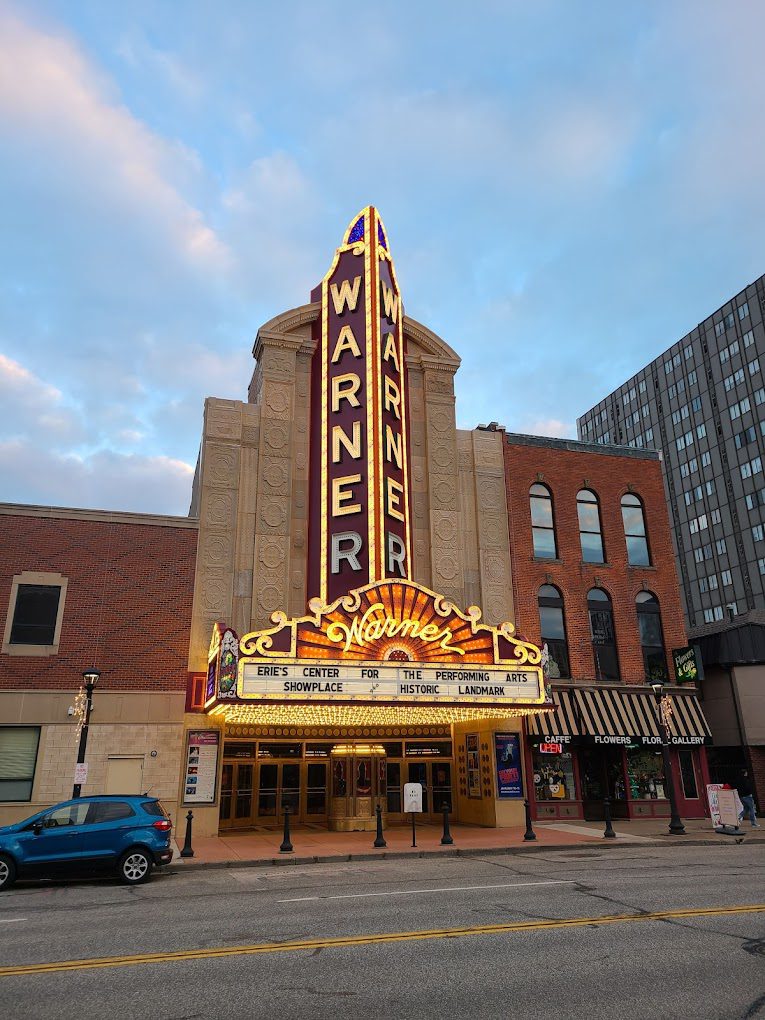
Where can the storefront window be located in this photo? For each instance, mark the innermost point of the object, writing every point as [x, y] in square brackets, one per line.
[646, 773]
[553, 776]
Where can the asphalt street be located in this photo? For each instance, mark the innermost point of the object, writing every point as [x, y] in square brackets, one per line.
[602, 932]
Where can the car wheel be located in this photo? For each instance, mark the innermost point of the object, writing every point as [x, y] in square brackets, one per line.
[7, 872]
[135, 866]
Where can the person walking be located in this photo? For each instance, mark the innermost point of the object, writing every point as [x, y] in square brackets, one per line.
[746, 796]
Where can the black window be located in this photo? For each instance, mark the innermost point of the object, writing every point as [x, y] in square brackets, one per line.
[634, 531]
[34, 615]
[590, 534]
[110, 811]
[651, 636]
[542, 522]
[553, 629]
[603, 635]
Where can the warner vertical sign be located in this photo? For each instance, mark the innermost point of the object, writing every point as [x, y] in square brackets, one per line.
[359, 524]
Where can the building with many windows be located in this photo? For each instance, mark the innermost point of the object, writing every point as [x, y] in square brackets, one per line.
[702, 404]
[594, 582]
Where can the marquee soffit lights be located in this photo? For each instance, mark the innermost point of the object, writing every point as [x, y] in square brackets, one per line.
[360, 715]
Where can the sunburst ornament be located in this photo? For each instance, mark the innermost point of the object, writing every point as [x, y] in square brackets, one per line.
[397, 653]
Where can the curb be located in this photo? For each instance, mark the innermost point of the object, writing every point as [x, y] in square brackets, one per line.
[288, 860]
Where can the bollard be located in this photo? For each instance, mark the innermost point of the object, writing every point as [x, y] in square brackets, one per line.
[446, 839]
[609, 833]
[529, 834]
[380, 840]
[187, 851]
[286, 847]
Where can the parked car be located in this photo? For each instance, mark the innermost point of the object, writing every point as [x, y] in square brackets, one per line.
[127, 835]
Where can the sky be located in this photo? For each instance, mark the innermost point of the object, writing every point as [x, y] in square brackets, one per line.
[568, 188]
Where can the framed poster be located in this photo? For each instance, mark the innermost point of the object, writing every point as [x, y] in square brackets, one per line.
[201, 774]
[507, 749]
[473, 766]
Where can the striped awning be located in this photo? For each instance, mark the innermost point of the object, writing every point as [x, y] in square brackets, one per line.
[607, 715]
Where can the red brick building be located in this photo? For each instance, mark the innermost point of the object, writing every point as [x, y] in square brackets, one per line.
[594, 580]
[83, 589]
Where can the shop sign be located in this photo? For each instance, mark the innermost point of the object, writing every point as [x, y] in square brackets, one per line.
[713, 790]
[684, 741]
[201, 772]
[507, 749]
[412, 798]
[687, 664]
[551, 748]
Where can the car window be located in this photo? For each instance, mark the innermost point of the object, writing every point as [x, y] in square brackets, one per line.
[111, 811]
[71, 814]
[153, 807]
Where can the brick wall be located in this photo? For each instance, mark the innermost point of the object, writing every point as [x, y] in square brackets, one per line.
[565, 468]
[128, 603]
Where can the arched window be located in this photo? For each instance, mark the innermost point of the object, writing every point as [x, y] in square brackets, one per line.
[590, 533]
[553, 628]
[651, 636]
[634, 531]
[603, 635]
[542, 523]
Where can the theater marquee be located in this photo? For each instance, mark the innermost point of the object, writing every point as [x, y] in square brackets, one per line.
[393, 641]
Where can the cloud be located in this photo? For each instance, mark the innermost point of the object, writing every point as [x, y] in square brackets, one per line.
[34, 408]
[104, 480]
[549, 427]
[60, 110]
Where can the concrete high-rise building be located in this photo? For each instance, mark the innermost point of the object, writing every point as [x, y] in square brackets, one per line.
[702, 404]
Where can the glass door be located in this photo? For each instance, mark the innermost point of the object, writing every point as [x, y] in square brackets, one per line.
[279, 784]
[689, 786]
[316, 790]
[236, 795]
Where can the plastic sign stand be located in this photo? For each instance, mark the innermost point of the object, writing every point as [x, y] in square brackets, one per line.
[413, 804]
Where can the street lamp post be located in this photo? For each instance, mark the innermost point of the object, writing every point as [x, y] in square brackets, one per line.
[676, 826]
[89, 679]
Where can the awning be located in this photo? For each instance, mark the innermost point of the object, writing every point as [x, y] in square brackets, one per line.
[615, 716]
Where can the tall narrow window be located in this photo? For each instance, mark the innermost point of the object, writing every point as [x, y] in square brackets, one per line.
[590, 533]
[553, 629]
[603, 635]
[634, 531]
[651, 636]
[542, 523]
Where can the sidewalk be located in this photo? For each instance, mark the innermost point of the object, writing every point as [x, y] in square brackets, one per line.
[312, 844]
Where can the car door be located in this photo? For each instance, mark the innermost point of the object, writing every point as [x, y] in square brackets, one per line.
[59, 839]
[111, 821]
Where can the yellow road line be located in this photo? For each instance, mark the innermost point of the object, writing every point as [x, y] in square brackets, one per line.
[365, 940]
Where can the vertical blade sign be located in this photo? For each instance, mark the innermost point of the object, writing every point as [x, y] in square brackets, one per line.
[360, 504]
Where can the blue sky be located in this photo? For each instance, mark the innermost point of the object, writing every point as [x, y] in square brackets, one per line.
[568, 188]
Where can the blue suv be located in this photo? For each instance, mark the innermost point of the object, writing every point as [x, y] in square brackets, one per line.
[127, 834]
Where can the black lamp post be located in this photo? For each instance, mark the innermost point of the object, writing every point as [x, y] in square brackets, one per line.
[676, 826]
[89, 679]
